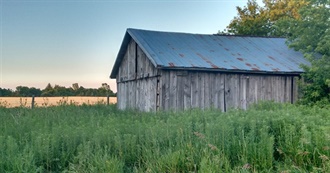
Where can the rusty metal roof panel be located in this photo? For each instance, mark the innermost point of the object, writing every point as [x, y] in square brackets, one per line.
[234, 53]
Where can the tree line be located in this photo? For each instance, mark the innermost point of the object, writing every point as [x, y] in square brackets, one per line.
[306, 25]
[57, 90]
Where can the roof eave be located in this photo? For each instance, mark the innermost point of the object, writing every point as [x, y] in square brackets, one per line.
[127, 38]
[120, 56]
[293, 73]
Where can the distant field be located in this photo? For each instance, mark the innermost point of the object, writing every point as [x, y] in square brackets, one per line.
[53, 101]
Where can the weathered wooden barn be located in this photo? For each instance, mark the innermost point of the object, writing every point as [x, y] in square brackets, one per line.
[175, 71]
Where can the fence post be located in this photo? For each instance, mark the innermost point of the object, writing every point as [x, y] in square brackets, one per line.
[32, 103]
[108, 99]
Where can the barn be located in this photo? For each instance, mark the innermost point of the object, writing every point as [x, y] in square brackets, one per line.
[178, 71]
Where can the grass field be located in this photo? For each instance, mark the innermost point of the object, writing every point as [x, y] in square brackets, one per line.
[10, 102]
[266, 138]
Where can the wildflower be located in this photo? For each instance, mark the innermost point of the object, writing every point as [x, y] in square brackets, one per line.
[200, 135]
[212, 147]
[247, 166]
[324, 157]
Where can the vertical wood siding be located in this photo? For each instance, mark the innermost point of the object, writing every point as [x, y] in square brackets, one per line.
[181, 90]
[136, 81]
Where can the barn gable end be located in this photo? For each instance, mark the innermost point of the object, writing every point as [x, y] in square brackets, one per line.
[136, 80]
[173, 71]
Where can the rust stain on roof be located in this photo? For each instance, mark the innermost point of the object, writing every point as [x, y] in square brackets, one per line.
[241, 59]
[214, 66]
[171, 64]
[238, 54]
[206, 60]
[248, 64]
[226, 49]
[234, 67]
[182, 55]
[270, 57]
[275, 69]
[255, 69]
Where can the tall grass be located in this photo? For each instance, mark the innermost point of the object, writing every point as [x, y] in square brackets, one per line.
[266, 138]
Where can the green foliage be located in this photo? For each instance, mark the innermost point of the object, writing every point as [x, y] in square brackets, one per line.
[5, 92]
[251, 20]
[49, 91]
[255, 20]
[311, 35]
[268, 137]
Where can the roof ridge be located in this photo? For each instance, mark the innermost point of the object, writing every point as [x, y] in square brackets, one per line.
[173, 32]
[247, 36]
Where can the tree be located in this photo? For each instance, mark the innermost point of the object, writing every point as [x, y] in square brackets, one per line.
[251, 20]
[5, 92]
[311, 35]
[24, 91]
[261, 21]
[62, 91]
[48, 91]
[35, 92]
[279, 9]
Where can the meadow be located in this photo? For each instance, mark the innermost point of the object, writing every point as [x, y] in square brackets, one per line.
[268, 137]
[11, 102]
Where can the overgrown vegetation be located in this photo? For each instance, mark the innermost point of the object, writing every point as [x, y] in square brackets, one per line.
[266, 138]
[311, 35]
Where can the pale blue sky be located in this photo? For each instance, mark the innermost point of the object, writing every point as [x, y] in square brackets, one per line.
[76, 41]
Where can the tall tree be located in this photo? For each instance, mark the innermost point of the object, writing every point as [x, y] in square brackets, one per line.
[255, 20]
[311, 35]
[278, 9]
[251, 20]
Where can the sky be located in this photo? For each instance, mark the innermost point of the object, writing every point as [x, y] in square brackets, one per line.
[77, 41]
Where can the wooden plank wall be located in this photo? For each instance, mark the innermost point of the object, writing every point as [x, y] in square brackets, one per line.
[136, 81]
[181, 90]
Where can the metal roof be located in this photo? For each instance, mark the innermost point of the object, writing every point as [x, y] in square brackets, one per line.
[214, 52]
